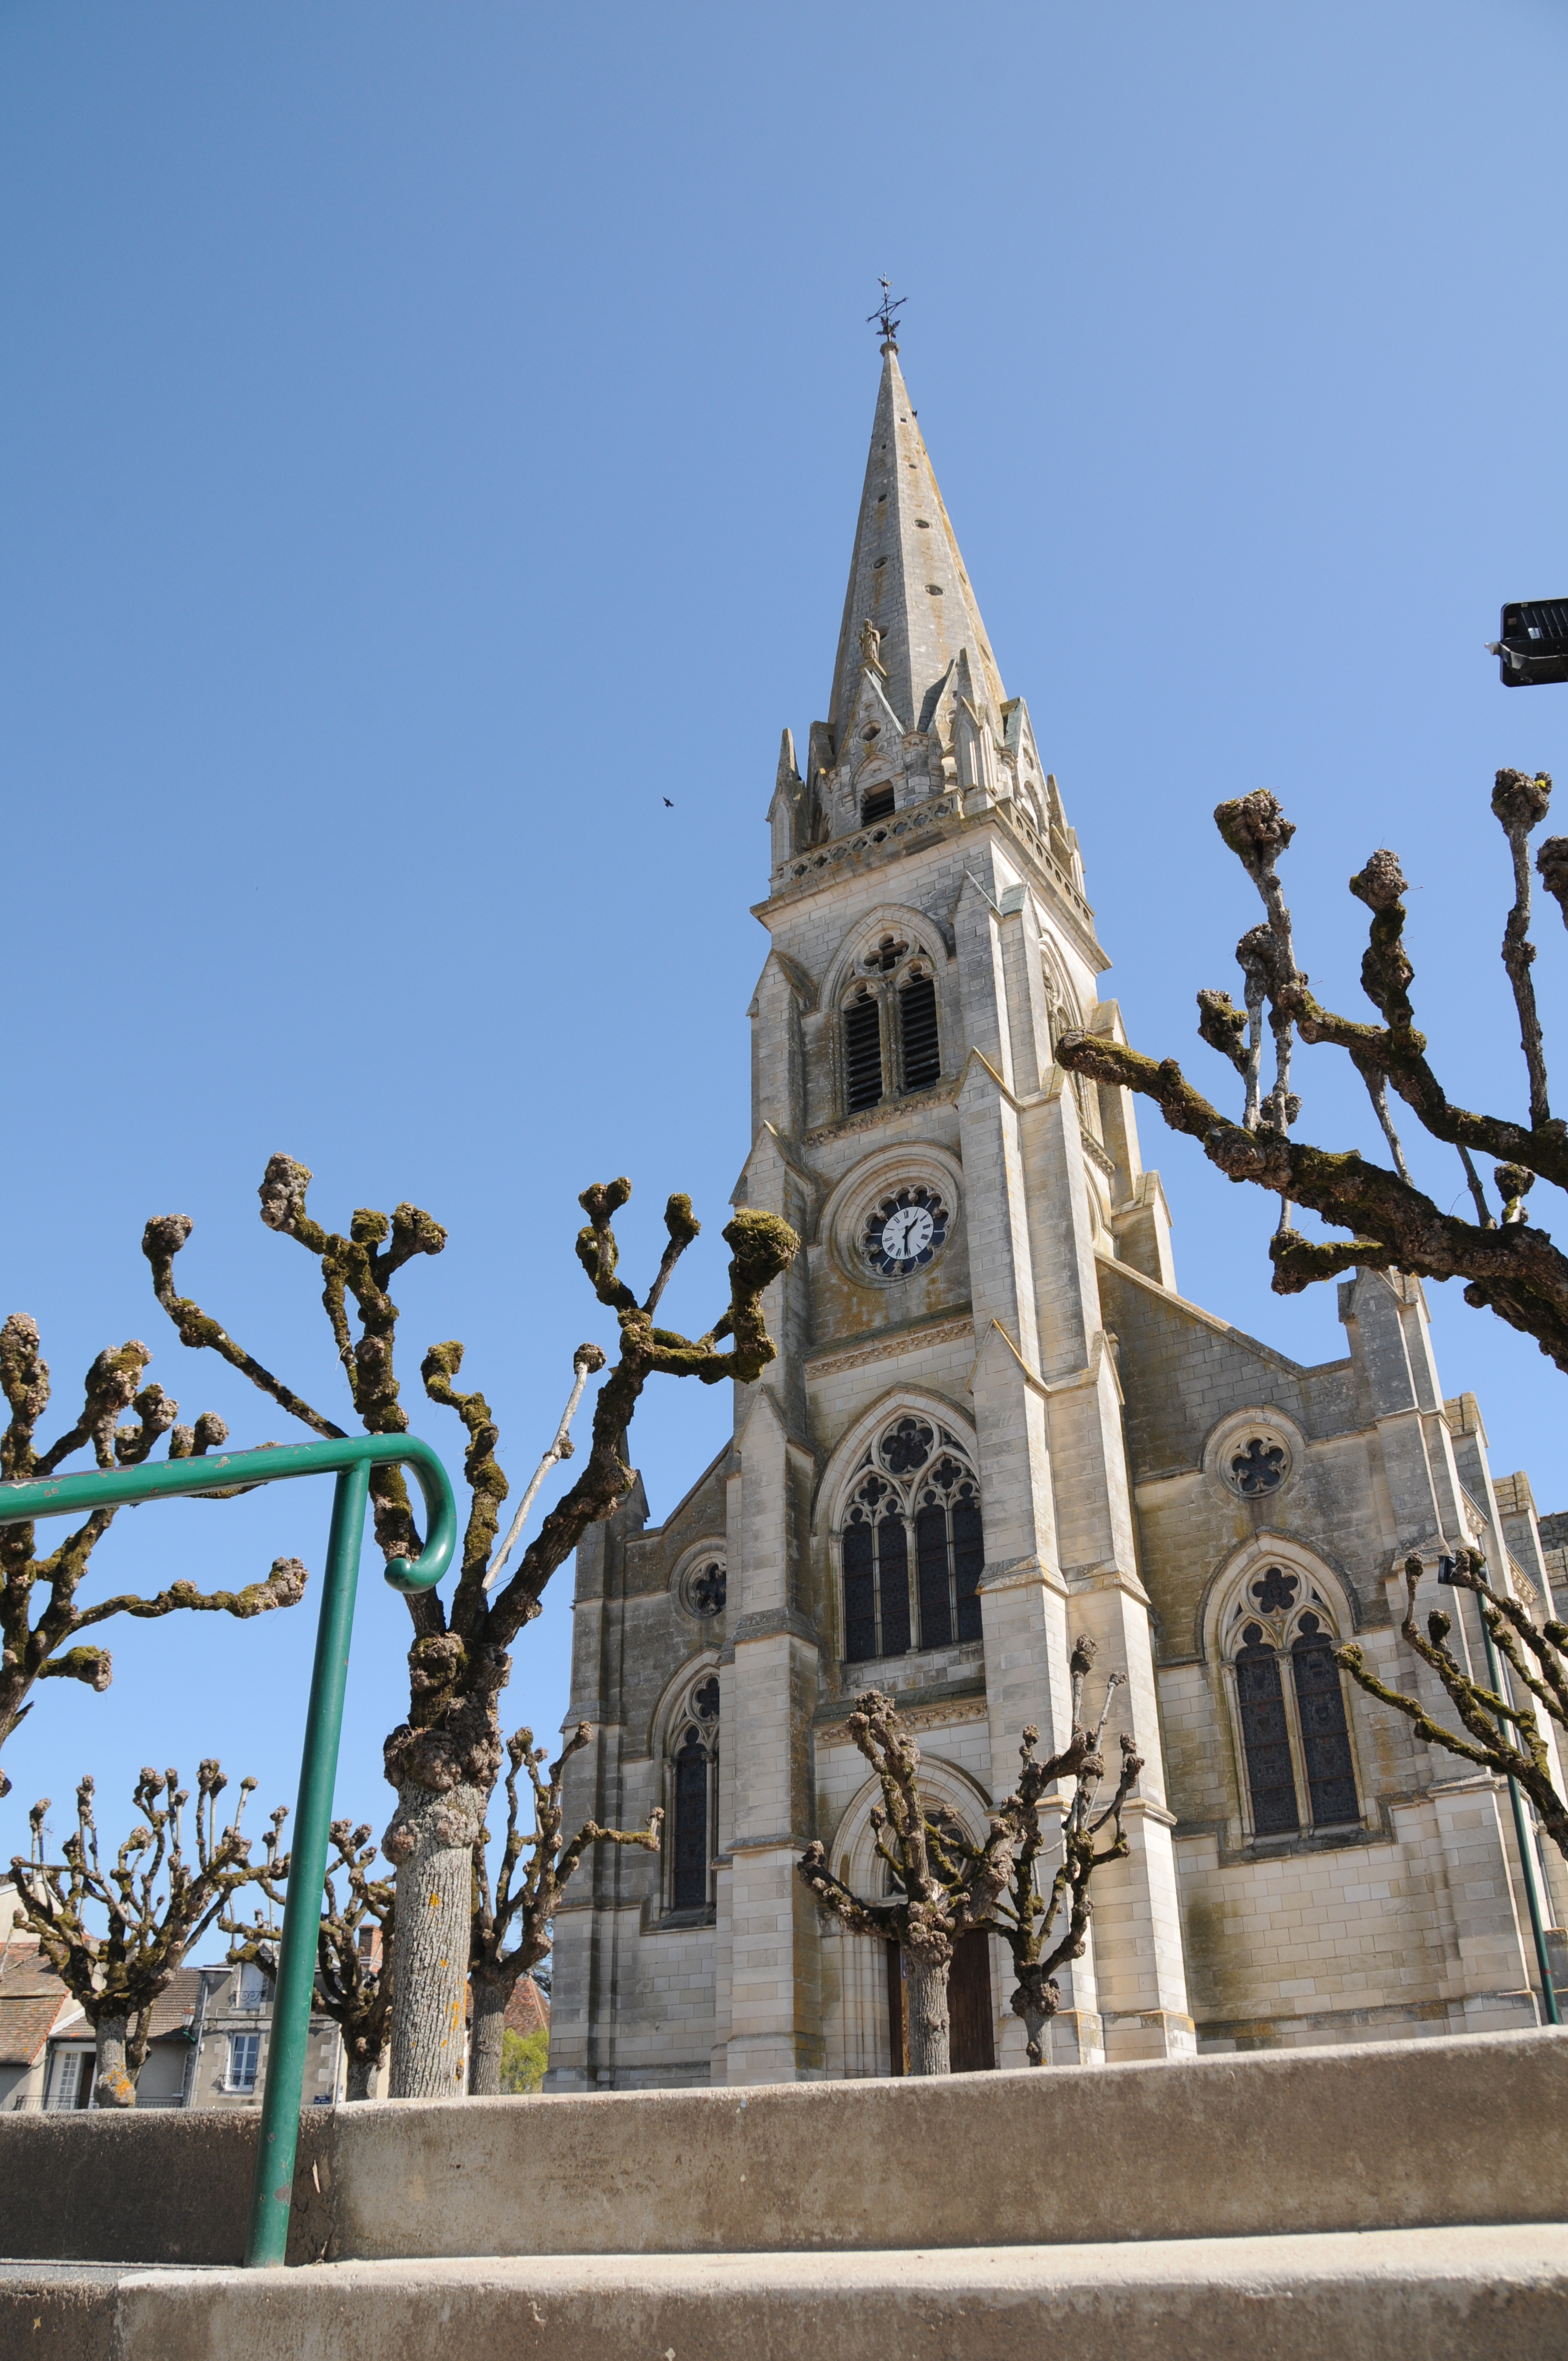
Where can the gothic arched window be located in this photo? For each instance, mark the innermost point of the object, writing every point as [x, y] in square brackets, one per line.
[902, 1053]
[1266, 1736]
[693, 1798]
[915, 1510]
[1325, 1737]
[862, 1050]
[1295, 1733]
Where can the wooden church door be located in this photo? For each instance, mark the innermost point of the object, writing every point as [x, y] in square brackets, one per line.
[971, 2042]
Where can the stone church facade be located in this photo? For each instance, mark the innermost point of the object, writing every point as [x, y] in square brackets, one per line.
[994, 1423]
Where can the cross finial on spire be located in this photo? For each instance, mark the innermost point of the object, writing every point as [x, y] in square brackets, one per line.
[884, 319]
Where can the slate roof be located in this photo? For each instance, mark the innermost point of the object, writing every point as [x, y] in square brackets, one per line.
[528, 2011]
[32, 2002]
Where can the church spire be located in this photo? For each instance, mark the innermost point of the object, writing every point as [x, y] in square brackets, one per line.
[908, 577]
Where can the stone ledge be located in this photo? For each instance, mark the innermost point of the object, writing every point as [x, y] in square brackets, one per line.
[1372, 2135]
[1411, 2295]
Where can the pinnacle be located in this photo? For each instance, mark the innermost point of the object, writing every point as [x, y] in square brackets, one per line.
[908, 577]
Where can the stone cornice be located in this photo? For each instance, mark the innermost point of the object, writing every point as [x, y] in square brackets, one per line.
[919, 828]
[886, 1343]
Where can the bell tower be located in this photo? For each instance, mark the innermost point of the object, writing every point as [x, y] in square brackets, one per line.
[928, 1491]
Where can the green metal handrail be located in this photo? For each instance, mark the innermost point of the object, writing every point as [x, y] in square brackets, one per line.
[350, 1458]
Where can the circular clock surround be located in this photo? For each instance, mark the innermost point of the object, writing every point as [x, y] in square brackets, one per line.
[904, 1229]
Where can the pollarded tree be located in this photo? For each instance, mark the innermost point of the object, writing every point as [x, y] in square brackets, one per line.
[444, 1758]
[1027, 1919]
[940, 1885]
[530, 1904]
[353, 1951]
[45, 1644]
[1511, 1267]
[1504, 1737]
[117, 1975]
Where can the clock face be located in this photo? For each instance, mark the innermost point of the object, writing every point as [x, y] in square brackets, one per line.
[904, 1231]
[906, 1234]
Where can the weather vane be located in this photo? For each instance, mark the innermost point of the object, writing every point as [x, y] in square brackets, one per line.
[884, 319]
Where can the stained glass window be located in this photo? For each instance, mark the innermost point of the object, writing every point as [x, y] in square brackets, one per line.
[1271, 1781]
[1259, 1468]
[1325, 1739]
[893, 1582]
[931, 1553]
[859, 1593]
[934, 1513]
[689, 1889]
[969, 1559]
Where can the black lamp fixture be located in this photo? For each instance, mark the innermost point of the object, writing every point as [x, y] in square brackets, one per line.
[1533, 648]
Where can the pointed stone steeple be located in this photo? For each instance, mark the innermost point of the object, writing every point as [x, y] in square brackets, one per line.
[907, 576]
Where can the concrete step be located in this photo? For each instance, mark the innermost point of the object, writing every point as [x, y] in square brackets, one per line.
[1406, 2295]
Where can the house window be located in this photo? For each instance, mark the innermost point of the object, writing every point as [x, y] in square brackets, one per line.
[922, 1055]
[245, 2059]
[914, 1514]
[70, 2080]
[250, 1987]
[692, 1792]
[1290, 1703]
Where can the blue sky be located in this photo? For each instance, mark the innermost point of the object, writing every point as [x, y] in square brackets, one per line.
[433, 437]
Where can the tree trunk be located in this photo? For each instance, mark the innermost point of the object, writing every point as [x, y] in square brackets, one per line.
[485, 2048]
[926, 1997]
[112, 2084]
[431, 1839]
[360, 2070]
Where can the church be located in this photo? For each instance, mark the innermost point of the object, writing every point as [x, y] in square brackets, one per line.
[995, 1424]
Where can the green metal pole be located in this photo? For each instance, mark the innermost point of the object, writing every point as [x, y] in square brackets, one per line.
[350, 1458]
[283, 2091]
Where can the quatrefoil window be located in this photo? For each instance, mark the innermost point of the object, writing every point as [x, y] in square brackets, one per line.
[1259, 1468]
[703, 1589]
[708, 1590]
[906, 1446]
[1275, 1592]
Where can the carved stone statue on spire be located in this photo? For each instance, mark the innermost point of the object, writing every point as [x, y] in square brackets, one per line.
[871, 648]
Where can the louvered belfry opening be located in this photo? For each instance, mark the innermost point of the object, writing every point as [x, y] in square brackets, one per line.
[878, 804]
[863, 1052]
[918, 1033]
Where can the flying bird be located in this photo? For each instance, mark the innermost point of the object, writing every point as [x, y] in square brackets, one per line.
[668, 804]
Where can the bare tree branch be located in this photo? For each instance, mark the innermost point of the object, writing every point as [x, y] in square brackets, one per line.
[116, 1976]
[354, 1949]
[34, 1648]
[528, 1904]
[586, 1362]
[942, 1886]
[1504, 1738]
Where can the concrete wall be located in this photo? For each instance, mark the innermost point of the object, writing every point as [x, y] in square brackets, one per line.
[1392, 2135]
